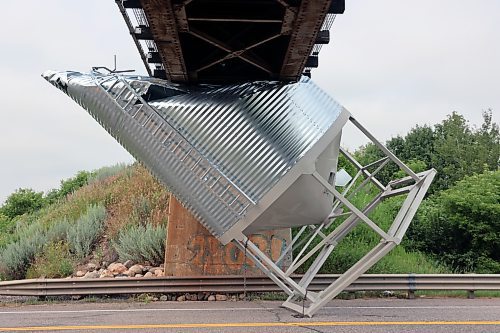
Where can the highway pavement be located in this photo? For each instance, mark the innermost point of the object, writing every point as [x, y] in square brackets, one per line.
[360, 315]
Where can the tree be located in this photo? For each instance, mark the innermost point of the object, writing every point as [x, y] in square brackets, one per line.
[21, 202]
[460, 150]
[453, 147]
[417, 144]
[461, 225]
[68, 186]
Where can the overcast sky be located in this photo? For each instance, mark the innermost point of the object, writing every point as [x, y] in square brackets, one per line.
[392, 63]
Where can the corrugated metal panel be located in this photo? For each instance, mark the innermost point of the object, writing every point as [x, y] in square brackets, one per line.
[218, 149]
[270, 125]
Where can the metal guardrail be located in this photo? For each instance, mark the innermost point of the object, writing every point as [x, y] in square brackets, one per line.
[237, 284]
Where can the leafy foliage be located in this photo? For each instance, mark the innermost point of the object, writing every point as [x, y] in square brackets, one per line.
[22, 201]
[461, 225]
[68, 186]
[454, 148]
[142, 243]
[7, 226]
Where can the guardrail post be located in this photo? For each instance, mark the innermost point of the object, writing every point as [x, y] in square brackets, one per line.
[412, 286]
[470, 294]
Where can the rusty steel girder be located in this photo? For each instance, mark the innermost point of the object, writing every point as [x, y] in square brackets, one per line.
[225, 41]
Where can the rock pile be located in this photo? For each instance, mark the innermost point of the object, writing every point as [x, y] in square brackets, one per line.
[118, 270]
[201, 296]
[129, 269]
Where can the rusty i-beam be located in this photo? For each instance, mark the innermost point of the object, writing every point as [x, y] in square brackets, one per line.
[221, 41]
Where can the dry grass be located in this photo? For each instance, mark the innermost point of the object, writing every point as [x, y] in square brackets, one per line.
[119, 193]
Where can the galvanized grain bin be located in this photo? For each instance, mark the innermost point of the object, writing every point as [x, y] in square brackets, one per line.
[239, 157]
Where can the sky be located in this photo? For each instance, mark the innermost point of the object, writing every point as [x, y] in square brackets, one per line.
[392, 63]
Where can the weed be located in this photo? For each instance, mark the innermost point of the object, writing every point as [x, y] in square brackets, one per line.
[53, 262]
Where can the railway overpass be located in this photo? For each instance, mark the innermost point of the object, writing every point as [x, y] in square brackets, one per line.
[224, 41]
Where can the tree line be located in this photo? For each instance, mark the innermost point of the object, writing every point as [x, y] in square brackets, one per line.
[459, 221]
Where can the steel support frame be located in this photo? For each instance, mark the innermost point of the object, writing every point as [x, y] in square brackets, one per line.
[297, 291]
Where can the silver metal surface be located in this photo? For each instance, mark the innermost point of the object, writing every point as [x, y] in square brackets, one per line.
[234, 155]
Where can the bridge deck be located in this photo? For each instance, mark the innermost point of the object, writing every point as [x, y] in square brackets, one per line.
[223, 41]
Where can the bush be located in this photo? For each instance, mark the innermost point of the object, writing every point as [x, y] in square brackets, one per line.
[106, 172]
[142, 243]
[6, 228]
[21, 202]
[59, 231]
[68, 186]
[17, 256]
[54, 262]
[83, 236]
[461, 225]
[141, 210]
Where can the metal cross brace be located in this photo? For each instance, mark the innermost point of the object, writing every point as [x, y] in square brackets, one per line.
[414, 186]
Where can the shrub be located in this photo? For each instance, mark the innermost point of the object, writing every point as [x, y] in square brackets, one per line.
[141, 209]
[17, 256]
[460, 226]
[142, 243]
[54, 262]
[59, 231]
[106, 172]
[83, 236]
[68, 186]
[6, 228]
[21, 202]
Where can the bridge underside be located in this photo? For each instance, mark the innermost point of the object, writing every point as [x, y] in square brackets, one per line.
[223, 41]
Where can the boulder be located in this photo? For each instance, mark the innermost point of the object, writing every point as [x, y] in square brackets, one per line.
[163, 298]
[148, 274]
[158, 272]
[128, 263]
[117, 268]
[220, 297]
[91, 266]
[80, 273]
[181, 298]
[106, 274]
[135, 269]
[91, 275]
[139, 275]
[211, 298]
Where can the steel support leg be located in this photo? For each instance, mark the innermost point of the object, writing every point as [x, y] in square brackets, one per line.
[415, 186]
